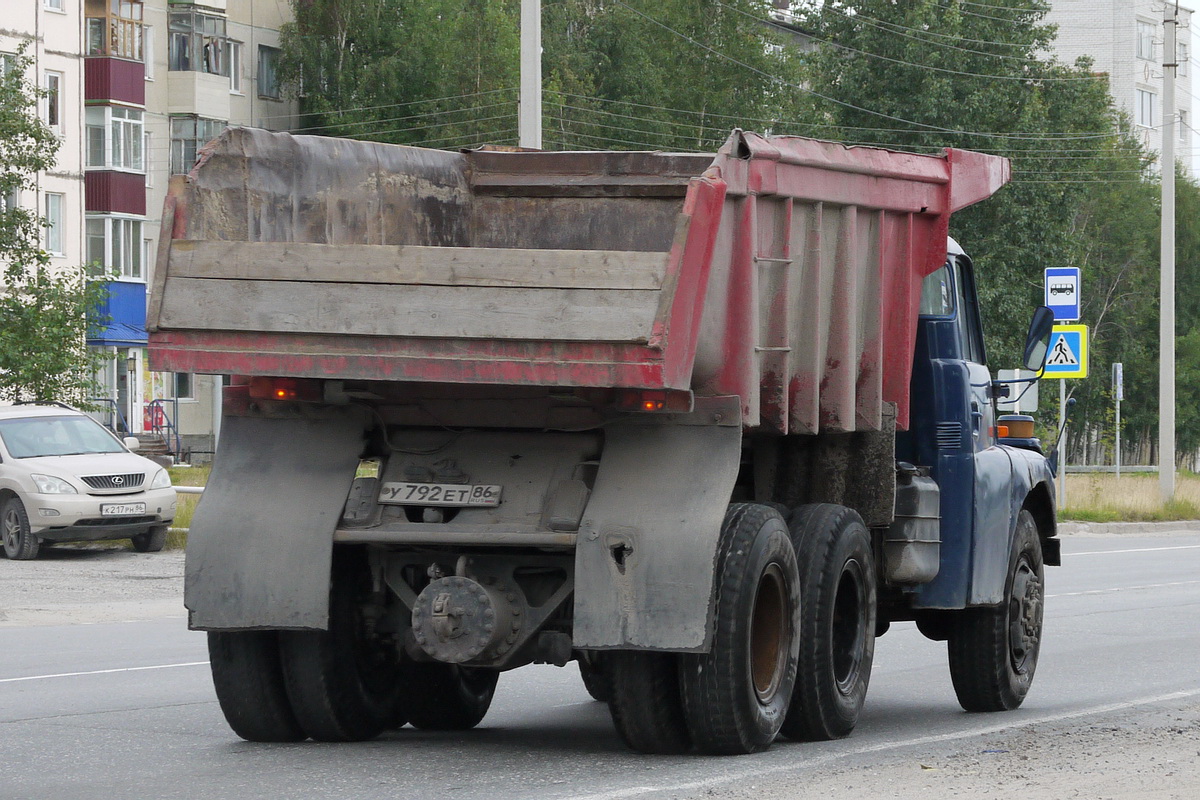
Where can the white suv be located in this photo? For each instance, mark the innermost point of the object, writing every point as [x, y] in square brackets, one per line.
[64, 477]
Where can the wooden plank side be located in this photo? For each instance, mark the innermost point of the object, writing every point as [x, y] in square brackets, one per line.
[413, 264]
[618, 315]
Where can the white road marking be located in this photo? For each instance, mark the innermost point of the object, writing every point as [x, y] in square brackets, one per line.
[1123, 589]
[1134, 550]
[103, 671]
[758, 772]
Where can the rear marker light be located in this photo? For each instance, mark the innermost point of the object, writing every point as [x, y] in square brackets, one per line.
[655, 401]
[286, 389]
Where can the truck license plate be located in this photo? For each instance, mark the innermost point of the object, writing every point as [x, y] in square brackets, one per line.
[122, 509]
[440, 494]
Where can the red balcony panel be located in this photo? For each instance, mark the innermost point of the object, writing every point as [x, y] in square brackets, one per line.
[115, 192]
[114, 79]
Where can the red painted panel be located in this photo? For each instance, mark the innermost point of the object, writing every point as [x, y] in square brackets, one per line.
[114, 80]
[115, 192]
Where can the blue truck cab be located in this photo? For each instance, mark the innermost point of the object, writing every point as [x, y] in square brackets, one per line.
[995, 494]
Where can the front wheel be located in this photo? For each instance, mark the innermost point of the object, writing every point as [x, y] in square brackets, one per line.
[152, 541]
[20, 544]
[993, 652]
[735, 696]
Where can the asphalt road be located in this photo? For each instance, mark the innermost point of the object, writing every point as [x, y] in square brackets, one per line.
[126, 709]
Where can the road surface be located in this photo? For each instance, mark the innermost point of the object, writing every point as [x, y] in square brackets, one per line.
[126, 710]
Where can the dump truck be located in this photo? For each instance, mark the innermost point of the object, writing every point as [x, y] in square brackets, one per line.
[705, 425]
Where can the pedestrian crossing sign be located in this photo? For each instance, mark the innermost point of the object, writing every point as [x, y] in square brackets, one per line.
[1068, 354]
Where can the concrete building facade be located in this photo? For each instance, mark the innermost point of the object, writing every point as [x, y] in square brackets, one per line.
[162, 78]
[51, 32]
[1125, 40]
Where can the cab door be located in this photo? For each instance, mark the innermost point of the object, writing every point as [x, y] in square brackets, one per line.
[992, 464]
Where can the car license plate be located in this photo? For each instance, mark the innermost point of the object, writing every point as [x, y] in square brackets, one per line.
[440, 494]
[122, 509]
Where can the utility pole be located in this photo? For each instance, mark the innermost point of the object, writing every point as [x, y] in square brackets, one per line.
[1166, 322]
[529, 117]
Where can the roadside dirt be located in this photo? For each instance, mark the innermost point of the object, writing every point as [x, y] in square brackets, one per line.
[1148, 753]
[77, 584]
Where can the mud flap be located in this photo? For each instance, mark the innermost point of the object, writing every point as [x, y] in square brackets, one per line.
[261, 539]
[646, 556]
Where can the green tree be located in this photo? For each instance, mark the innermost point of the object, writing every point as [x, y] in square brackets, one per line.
[43, 312]
[671, 74]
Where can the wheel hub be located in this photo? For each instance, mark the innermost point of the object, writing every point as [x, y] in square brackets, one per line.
[849, 631]
[770, 634]
[1025, 616]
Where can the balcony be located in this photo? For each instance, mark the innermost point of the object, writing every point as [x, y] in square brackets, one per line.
[114, 80]
[199, 93]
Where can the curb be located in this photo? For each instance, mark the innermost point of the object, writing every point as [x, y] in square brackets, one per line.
[1116, 528]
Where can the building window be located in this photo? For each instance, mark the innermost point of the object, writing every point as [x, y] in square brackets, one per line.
[148, 52]
[54, 224]
[1147, 108]
[268, 72]
[114, 28]
[197, 43]
[115, 244]
[1181, 59]
[54, 5]
[1183, 126]
[188, 135]
[115, 137]
[10, 201]
[183, 385]
[52, 82]
[234, 58]
[1145, 40]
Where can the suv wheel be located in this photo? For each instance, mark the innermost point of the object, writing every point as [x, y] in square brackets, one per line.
[19, 542]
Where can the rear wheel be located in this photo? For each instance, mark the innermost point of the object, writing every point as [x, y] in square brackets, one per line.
[20, 544]
[447, 697]
[994, 651]
[152, 541]
[344, 684]
[249, 682]
[594, 675]
[735, 696]
[838, 627]
[644, 701]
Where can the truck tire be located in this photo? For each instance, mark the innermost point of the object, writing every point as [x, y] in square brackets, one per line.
[249, 682]
[152, 541]
[447, 697]
[595, 676]
[837, 640]
[20, 543]
[644, 702]
[343, 685]
[994, 651]
[735, 696]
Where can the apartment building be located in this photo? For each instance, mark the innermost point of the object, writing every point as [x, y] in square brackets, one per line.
[162, 78]
[52, 31]
[1125, 40]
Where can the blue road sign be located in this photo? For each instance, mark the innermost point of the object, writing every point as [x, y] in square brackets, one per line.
[1062, 292]
[1068, 354]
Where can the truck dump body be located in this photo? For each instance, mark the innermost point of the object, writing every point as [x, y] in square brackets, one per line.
[784, 271]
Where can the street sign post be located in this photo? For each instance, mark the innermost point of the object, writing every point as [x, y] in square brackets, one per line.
[1068, 354]
[1062, 292]
[1118, 378]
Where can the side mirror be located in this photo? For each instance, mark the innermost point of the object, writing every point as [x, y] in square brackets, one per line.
[1038, 340]
[132, 443]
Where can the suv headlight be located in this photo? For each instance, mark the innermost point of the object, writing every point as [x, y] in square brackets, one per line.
[48, 484]
[161, 480]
